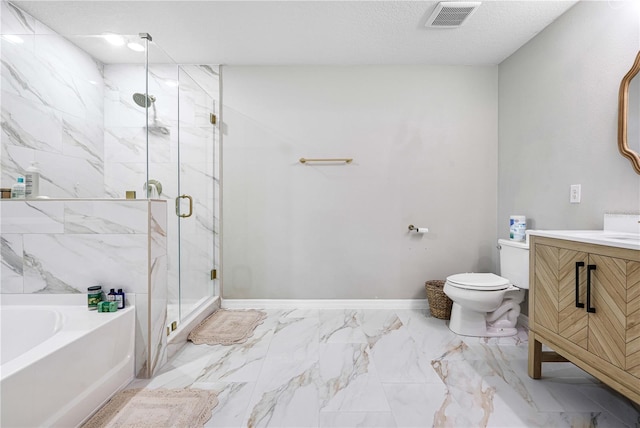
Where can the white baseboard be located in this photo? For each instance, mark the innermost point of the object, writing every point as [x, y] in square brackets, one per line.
[325, 304]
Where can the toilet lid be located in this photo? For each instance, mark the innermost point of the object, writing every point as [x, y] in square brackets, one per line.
[479, 281]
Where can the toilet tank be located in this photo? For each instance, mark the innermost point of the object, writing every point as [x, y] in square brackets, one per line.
[514, 262]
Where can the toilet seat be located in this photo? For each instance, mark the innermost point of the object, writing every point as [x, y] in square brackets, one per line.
[479, 281]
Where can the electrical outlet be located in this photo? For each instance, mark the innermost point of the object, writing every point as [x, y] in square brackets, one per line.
[575, 193]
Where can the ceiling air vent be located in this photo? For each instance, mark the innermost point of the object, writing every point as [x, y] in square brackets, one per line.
[450, 14]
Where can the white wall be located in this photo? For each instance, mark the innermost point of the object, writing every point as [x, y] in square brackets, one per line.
[424, 143]
[558, 120]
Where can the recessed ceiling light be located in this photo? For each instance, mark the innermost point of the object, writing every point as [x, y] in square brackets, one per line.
[114, 39]
[12, 38]
[135, 47]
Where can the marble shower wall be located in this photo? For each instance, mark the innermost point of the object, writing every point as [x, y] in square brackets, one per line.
[65, 246]
[52, 109]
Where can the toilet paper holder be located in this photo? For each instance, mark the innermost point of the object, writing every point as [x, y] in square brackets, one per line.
[417, 229]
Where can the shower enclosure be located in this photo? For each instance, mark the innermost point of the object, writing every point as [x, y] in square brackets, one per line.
[108, 115]
[180, 146]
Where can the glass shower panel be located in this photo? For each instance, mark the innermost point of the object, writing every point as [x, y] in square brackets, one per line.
[157, 99]
[134, 105]
[161, 179]
[196, 207]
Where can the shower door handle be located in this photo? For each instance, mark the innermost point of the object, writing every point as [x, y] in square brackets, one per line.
[178, 206]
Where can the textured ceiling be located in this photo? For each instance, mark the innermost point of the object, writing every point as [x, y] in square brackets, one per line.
[305, 32]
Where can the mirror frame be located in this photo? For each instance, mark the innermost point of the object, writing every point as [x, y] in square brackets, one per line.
[623, 108]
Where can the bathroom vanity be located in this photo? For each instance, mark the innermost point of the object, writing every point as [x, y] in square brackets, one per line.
[584, 304]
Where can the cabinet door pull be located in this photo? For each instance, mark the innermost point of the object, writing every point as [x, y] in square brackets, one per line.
[589, 308]
[578, 266]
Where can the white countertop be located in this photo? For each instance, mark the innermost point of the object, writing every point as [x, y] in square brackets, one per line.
[599, 237]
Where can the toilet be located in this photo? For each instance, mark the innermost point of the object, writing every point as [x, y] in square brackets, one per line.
[488, 305]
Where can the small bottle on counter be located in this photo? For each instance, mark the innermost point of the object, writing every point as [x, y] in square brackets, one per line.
[94, 297]
[111, 297]
[18, 190]
[32, 181]
[120, 298]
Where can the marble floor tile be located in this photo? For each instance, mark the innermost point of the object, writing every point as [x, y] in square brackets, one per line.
[415, 404]
[237, 363]
[180, 372]
[357, 419]
[233, 402]
[612, 403]
[287, 396]
[399, 359]
[297, 338]
[348, 379]
[341, 326]
[386, 369]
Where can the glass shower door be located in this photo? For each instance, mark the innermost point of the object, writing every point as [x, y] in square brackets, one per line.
[196, 206]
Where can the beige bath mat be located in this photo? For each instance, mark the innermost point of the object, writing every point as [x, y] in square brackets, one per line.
[226, 327]
[155, 408]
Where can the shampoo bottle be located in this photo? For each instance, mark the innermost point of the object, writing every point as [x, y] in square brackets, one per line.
[120, 298]
[32, 181]
[18, 189]
[111, 297]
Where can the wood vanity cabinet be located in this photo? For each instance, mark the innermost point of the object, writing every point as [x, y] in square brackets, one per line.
[584, 303]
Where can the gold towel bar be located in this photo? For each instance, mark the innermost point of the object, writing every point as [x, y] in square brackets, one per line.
[345, 160]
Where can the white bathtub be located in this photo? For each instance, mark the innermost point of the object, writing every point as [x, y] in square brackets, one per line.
[60, 362]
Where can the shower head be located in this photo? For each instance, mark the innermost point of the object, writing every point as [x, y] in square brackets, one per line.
[145, 101]
[142, 100]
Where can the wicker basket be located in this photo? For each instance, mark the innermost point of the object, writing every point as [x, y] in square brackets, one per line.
[439, 303]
